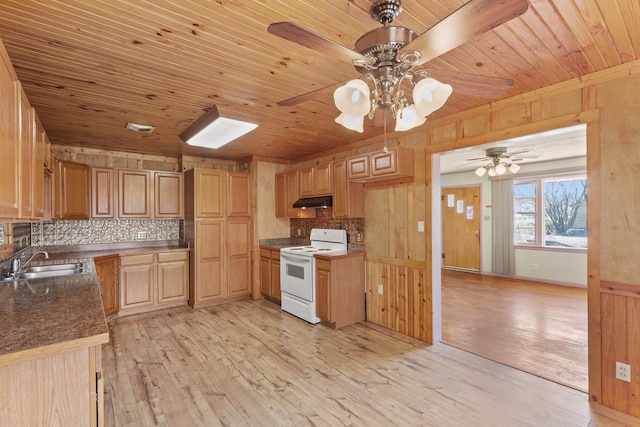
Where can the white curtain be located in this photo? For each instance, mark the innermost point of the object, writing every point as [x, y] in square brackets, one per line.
[503, 252]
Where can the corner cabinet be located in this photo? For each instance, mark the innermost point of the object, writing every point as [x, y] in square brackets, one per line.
[340, 293]
[218, 226]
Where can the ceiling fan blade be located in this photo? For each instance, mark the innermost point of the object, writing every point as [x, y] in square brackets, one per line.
[297, 34]
[472, 19]
[309, 95]
[472, 84]
[475, 159]
[515, 153]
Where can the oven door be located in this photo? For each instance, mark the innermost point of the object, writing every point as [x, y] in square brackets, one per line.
[296, 275]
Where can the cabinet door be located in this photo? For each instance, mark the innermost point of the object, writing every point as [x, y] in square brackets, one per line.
[265, 275]
[134, 198]
[9, 140]
[239, 257]
[238, 194]
[209, 193]
[281, 195]
[209, 260]
[340, 193]
[168, 195]
[305, 180]
[137, 278]
[275, 276]
[173, 276]
[322, 180]
[102, 197]
[107, 270]
[383, 163]
[358, 167]
[40, 148]
[72, 197]
[323, 281]
[25, 117]
[293, 193]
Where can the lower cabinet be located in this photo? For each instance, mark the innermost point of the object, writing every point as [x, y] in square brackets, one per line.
[153, 280]
[108, 275]
[340, 293]
[270, 274]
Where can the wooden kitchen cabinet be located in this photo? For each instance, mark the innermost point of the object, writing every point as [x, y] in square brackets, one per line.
[340, 294]
[151, 281]
[102, 193]
[41, 147]
[238, 194]
[238, 257]
[270, 274]
[207, 265]
[348, 196]
[72, 192]
[9, 139]
[395, 163]
[26, 168]
[281, 195]
[209, 185]
[107, 271]
[134, 193]
[287, 193]
[168, 195]
[315, 181]
[358, 167]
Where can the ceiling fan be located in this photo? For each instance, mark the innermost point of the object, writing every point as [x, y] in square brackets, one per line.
[387, 57]
[499, 160]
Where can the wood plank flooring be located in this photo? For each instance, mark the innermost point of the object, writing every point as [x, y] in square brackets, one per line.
[536, 327]
[249, 364]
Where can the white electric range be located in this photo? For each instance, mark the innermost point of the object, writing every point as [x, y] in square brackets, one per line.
[298, 271]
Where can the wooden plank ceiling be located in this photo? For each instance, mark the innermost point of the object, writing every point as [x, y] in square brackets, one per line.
[90, 67]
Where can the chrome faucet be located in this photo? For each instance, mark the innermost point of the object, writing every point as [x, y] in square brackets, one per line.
[16, 266]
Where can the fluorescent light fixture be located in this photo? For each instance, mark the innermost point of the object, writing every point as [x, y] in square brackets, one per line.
[213, 131]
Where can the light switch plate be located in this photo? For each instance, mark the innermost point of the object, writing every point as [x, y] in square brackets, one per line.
[420, 226]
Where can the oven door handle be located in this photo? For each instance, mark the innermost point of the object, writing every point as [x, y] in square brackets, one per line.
[295, 258]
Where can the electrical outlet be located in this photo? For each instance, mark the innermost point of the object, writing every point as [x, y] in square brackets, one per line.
[142, 235]
[534, 266]
[299, 232]
[359, 237]
[623, 372]
[380, 290]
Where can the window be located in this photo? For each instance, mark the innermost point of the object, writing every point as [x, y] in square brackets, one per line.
[550, 211]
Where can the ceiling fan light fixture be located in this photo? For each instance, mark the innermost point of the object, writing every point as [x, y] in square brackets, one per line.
[213, 131]
[351, 122]
[353, 98]
[513, 168]
[481, 171]
[500, 168]
[429, 95]
[492, 172]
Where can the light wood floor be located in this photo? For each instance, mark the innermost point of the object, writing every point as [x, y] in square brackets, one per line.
[536, 327]
[250, 364]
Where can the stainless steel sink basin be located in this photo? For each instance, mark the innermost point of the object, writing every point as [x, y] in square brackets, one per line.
[50, 270]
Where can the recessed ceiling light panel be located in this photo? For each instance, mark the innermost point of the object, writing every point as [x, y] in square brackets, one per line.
[137, 127]
[213, 131]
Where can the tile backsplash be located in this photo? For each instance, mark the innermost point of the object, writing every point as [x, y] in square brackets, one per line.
[324, 219]
[79, 232]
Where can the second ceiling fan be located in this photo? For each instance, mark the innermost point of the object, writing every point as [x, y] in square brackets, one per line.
[387, 57]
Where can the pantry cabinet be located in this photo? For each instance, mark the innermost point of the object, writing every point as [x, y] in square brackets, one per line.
[218, 226]
[150, 281]
[340, 294]
[270, 274]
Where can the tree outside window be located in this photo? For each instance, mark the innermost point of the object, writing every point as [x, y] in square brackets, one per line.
[561, 221]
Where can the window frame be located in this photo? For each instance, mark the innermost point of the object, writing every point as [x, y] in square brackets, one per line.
[540, 210]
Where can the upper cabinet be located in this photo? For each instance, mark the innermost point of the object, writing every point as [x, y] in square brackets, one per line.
[9, 139]
[102, 193]
[382, 165]
[71, 191]
[315, 181]
[26, 164]
[209, 193]
[348, 196]
[149, 194]
[287, 193]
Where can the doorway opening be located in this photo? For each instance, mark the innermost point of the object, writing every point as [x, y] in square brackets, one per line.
[525, 306]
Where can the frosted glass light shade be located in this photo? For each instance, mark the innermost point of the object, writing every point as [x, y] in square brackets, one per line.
[353, 98]
[408, 118]
[429, 95]
[481, 171]
[351, 122]
[492, 172]
[500, 169]
[513, 168]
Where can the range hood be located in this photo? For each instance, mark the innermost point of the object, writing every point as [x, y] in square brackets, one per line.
[314, 202]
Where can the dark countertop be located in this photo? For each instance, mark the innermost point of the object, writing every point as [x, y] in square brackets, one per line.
[43, 317]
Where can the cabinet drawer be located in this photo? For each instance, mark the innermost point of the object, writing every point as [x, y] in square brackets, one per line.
[275, 254]
[323, 264]
[136, 259]
[173, 256]
[265, 252]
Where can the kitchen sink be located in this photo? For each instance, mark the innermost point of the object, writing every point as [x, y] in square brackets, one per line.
[50, 270]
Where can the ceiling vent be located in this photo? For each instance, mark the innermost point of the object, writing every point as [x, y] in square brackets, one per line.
[137, 127]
